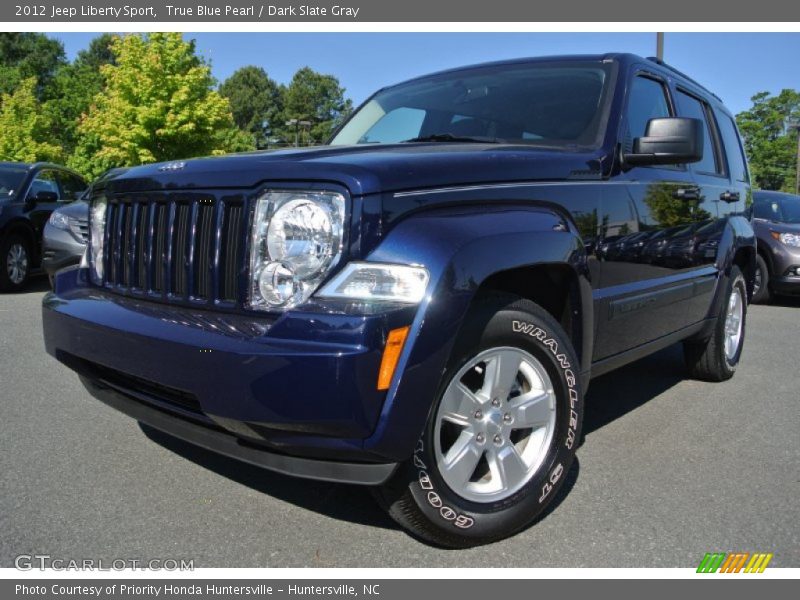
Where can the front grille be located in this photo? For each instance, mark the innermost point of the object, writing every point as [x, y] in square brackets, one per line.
[181, 249]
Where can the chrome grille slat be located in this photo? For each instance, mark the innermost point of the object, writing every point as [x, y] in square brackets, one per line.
[181, 248]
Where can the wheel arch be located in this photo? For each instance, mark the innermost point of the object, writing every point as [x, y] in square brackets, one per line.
[531, 251]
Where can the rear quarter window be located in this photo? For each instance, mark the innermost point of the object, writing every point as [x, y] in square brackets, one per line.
[737, 166]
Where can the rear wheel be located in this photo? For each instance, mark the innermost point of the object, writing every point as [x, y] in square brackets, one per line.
[761, 291]
[502, 433]
[16, 256]
[716, 358]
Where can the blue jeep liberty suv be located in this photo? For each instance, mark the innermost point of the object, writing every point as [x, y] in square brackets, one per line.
[419, 305]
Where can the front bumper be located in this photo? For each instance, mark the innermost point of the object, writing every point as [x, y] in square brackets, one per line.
[299, 385]
[788, 285]
[785, 261]
[223, 442]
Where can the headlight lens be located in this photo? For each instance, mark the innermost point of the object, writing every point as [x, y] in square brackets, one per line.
[97, 220]
[297, 237]
[378, 281]
[59, 220]
[790, 239]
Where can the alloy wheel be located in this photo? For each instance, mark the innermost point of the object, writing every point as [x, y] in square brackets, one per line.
[495, 424]
[17, 263]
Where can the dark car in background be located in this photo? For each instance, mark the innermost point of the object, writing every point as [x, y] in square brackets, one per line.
[776, 221]
[65, 237]
[29, 193]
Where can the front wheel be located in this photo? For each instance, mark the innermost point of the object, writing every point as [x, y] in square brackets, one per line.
[716, 358]
[502, 433]
[761, 291]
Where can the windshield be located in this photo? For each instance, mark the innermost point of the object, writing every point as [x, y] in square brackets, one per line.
[544, 104]
[785, 209]
[10, 180]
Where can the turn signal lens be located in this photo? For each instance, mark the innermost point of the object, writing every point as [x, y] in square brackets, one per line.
[391, 354]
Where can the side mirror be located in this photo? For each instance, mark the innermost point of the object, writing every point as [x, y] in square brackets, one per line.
[668, 141]
[44, 196]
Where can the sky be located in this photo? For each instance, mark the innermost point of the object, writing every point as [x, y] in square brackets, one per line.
[733, 65]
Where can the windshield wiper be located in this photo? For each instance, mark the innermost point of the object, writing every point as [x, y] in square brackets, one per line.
[449, 137]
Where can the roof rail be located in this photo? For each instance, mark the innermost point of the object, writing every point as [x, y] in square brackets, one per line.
[660, 62]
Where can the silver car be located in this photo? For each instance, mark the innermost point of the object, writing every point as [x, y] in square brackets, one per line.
[65, 237]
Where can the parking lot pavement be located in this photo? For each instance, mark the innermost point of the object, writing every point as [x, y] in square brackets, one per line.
[670, 469]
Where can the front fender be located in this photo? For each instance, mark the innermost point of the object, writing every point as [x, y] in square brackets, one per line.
[461, 249]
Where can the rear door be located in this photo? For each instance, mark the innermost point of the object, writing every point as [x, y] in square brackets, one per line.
[643, 295]
[720, 194]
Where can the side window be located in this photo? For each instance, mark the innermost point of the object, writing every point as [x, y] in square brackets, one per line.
[733, 147]
[71, 186]
[647, 100]
[46, 181]
[689, 106]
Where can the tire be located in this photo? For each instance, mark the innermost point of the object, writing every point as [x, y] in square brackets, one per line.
[761, 291]
[15, 263]
[423, 495]
[716, 358]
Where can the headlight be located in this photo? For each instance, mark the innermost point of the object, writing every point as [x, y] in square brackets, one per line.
[790, 239]
[59, 220]
[377, 281]
[297, 237]
[97, 221]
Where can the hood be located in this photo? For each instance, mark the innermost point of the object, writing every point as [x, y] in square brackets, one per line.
[777, 226]
[363, 169]
[78, 209]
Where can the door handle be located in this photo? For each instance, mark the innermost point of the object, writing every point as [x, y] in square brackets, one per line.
[729, 196]
[686, 194]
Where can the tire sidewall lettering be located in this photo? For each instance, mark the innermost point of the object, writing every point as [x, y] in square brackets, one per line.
[448, 512]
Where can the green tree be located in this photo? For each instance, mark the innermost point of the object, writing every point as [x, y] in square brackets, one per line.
[158, 104]
[26, 55]
[26, 129]
[75, 86]
[317, 98]
[770, 143]
[256, 102]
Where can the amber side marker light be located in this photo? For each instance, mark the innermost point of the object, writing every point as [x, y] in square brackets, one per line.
[391, 354]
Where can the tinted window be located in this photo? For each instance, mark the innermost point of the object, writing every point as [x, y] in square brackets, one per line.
[689, 106]
[733, 147]
[647, 100]
[543, 104]
[71, 186]
[762, 209]
[10, 180]
[46, 181]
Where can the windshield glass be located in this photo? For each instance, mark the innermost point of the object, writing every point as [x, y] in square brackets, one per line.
[544, 104]
[10, 180]
[779, 208]
[788, 210]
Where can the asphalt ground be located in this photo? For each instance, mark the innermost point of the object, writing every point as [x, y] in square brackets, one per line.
[670, 469]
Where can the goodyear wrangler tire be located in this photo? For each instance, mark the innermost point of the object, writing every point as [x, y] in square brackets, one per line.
[502, 432]
[716, 358]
